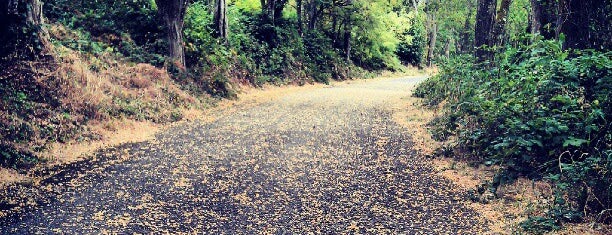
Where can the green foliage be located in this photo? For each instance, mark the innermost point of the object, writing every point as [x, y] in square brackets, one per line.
[130, 28]
[413, 41]
[376, 34]
[541, 111]
[539, 225]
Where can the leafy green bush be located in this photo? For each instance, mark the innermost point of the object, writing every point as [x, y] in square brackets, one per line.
[412, 48]
[128, 27]
[540, 111]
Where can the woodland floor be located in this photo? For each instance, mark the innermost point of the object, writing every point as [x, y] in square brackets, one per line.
[330, 159]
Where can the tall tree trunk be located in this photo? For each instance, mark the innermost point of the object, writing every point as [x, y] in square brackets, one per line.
[587, 23]
[535, 17]
[220, 19]
[299, 17]
[35, 18]
[447, 48]
[348, 29]
[314, 15]
[466, 45]
[11, 16]
[485, 17]
[432, 42]
[347, 38]
[499, 28]
[546, 19]
[273, 9]
[173, 13]
[335, 29]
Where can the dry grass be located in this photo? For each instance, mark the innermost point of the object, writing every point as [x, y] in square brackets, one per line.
[10, 176]
[88, 102]
[113, 132]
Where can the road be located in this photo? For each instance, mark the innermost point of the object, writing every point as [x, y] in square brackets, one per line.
[325, 160]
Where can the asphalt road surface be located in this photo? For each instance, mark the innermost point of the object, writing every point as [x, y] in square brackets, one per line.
[322, 161]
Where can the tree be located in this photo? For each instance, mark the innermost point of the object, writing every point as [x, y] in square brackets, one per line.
[465, 42]
[431, 9]
[173, 14]
[499, 28]
[12, 14]
[545, 19]
[348, 30]
[485, 18]
[220, 20]
[273, 9]
[299, 17]
[586, 23]
[433, 32]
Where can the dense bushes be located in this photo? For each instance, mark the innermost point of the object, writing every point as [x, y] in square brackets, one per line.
[540, 111]
[129, 28]
[259, 51]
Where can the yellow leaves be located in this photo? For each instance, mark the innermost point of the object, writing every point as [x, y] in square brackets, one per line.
[99, 216]
[265, 169]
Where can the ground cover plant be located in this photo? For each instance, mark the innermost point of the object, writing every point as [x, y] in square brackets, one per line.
[541, 112]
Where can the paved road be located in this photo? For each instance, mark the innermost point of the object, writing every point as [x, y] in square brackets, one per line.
[327, 160]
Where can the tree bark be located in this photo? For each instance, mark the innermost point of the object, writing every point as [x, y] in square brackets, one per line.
[535, 17]
[499, 28]
[347, 38]
[173, 14]
[465, 45]
[314, 15]
[299, 17]
[447, 48]
[432, 42]
[587, 23]
[485, 18]
[220, 19]
[546, 18]
[11, 16]
[273, 9]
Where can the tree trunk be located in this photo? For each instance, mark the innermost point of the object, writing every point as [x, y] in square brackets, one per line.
[220, 19]
[447, 48]
[173, 13]
[432, 42]
[335, 29]
[347, 38]
[273, 9]
[278, 8]
[546, 18]
[314, 15]
[11, 16]
[587, 23]
[299, 17]
[535, 17]
[485, 17]
[499, 28]
[465, 45]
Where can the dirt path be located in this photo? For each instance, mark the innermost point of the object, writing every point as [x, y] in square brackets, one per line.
[324, 160]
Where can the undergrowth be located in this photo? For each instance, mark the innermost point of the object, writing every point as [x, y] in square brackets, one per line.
[538, 111]
[55, 100]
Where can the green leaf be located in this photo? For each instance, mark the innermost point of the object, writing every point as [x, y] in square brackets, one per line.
[574, 142]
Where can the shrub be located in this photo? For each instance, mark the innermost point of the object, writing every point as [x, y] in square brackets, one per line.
[540, 111]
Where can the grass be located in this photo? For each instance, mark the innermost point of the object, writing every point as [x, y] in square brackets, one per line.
[75, 98]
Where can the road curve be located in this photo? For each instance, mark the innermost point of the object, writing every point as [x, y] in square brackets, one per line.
[322, 161]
